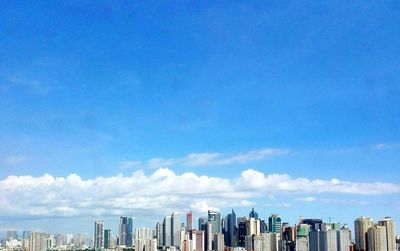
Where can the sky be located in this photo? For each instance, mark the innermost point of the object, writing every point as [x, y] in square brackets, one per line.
[142, 108]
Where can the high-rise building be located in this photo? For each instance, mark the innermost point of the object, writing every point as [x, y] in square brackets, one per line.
[252, 227]
[189, 221]
[125, 231]
[176, 228]
[275, 224]
[344, 239]
[390, 233]
[241, 233]
[208, 236]
[253, 214]
[37, 241]
[215, 219]
[98, 235]
[302, 237]
[361, 226]
[159, 234]
[198, 240]
[144, 233]
[167, 230]
[231, 230]
[376, 238]
[107, 238]
[202, 221]
[218, 243]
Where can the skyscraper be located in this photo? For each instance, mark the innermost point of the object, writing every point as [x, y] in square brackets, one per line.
[275, 224]
[252, 227]
[231, 230]
[189, 221]
[167, 230]
[107, 238]
[361, 226]
[215, 219]
[125, 231]
[176, 227]
[253, 214]
[202, 221]
[98, 235]
[376, 238]
[37, 241]
[390, 233]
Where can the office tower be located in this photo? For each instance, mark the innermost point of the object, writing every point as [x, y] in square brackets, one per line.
[275, 223]
[125, 231]
[208, 236]
[189, 221]
[252, 227]
[167, 230]
[159, 234]
[263, 226]
[390, 233]
[202, 221]
[376, 238]
[344, 239]
[98, 235]
[37, 241]
[253, 214]
[198, 240]
[176, 228]
[107, 238]
[361, 226]
[218, 244]
[241, 233]
[231, 230]
[215, 219]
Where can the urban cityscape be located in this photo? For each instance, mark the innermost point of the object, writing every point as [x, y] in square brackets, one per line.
[215, 232]
[190, 125]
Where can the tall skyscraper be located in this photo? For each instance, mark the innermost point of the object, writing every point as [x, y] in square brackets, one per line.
[253, 214]
[167, 230]
[361, 226]
[98, 235]
[390, 233]
[208, 236]
[125, 231]
[376, 238]
[215, 219]
[189, 221]
[176, 228]
[107, 238]
[275, 224]
[231, 230]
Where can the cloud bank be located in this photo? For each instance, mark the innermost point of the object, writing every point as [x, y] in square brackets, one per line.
[160, 192]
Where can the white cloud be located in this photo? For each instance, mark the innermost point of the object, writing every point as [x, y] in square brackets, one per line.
[306, 199]
[160, 192]
[210, 158]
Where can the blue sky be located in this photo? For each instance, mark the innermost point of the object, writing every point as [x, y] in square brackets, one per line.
[103, 88]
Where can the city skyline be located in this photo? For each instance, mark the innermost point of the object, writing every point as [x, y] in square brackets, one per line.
[113, 108]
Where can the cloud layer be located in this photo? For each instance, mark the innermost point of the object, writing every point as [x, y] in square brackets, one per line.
[162, 191]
